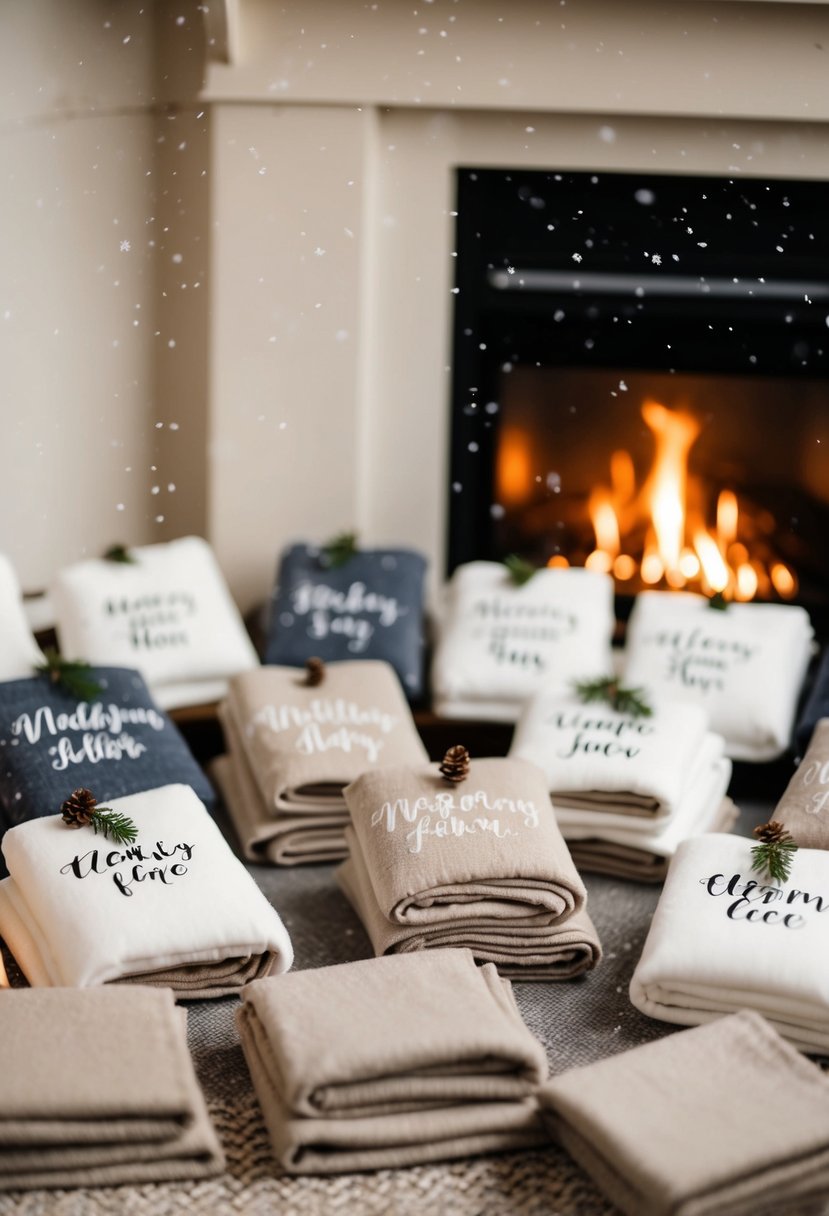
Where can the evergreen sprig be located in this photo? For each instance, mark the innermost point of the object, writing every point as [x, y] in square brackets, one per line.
[775, 852]
[521, 571]
[718, 602]
[340, 549]
[608, 688]
[71, 674]
[119, 553]
[114, 826]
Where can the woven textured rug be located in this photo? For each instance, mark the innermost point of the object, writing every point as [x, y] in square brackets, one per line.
[578, 1021]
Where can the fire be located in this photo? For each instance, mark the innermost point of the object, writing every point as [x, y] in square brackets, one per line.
[677, 546]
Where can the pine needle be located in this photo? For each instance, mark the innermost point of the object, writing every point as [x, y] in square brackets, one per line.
[114, 826]
[718, 602]
[775, 852]
[71, 674]
[521, 571]
[340, 549]
[607, 688]
[119, 553]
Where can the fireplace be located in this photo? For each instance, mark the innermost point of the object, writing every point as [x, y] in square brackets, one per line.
[641, 380]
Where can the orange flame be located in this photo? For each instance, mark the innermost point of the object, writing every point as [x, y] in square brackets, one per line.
[666, 487]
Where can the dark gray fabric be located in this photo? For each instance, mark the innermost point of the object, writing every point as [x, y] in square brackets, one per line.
[369, 608]
[52, 744]
[816, 706]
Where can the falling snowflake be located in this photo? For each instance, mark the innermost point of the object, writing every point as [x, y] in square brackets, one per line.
[125, 246]
[656, 259]
[576, 257]
[319, 251]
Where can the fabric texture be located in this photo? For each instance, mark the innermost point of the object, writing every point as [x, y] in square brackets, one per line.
[371, 607]
[804, 807]
[117, 743]
[499, 643]
[391, 1061]
[19, 652]
[707, 1153]
[479, 864]
[724, 938]
[745, 666]
[169, 613]
[97, 1088]
[175, 909]
[816, 706]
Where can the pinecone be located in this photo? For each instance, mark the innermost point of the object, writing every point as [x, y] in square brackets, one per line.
[77, 810]
[455, 764]
[773, 832]
[314, 672]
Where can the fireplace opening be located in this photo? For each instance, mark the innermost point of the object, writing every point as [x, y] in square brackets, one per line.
[641, 380]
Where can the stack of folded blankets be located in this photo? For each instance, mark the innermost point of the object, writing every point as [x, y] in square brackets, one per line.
[745, 665]
[97, 1089]
[724, 1120]
[391, 1062]
[477, 862]
[627, 788]
[19, 651]
[173, 909]
[500, 643]
[804, 808]
[726, 937]
[293, 746]
[368, 606]
[115, 741]
[167, 611]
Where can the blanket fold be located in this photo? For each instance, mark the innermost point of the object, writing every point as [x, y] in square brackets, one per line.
[724, 937]
[391, 1061]
[174, 909]
[97, 1088]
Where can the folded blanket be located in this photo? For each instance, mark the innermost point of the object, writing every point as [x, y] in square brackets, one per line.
[19, 652]
[745, 666]
[97, 1088]
[169, 613]
[499, 643]
[391, 1061]
[724, 938]
[817, 705]
[804, 807]
[118, 742]
[371, 607]
[643, 858]
[175, 909]
[674, 1127]
[305, 743]
[597, 758]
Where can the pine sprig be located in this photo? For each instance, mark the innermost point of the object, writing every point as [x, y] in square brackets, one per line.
[340, 549]
[718, 602]
[81, 810]
[608, 688]
[775, 852]
[119, 553]
[71, 674]
[520, 570]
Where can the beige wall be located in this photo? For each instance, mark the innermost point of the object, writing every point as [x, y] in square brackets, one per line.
[290, 228]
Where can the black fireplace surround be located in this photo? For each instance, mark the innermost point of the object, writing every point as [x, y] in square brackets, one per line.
[579, 294]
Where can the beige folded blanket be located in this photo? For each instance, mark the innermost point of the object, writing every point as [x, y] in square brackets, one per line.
[304, 744]
[487, 847]
[723, 1120]
[97, 1088]
[804, 807]
[391, 1061]
[522, 951]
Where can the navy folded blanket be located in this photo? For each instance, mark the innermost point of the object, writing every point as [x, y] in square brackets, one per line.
[371, 607]
[816, 706]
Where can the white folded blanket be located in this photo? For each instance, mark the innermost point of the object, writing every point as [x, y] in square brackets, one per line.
[175, 909]
[169, 613]
[499, 643]
[724, 938]
[599, 759]
[745, 666]
[19, 652]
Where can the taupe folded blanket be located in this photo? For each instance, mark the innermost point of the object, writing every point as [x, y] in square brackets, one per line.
[485, 848]
[304, 744]
[521, 951]
[723, 1120]
[804, 807]
[97, 1088]
[391, 1061]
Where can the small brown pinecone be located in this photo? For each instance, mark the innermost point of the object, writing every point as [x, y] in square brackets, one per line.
[455, 764]
[773, 832]
[314, 672]
[79, 808]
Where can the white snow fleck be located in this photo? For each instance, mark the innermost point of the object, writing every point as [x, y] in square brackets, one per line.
[125, 246]
[656, 259]
[576, 257]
